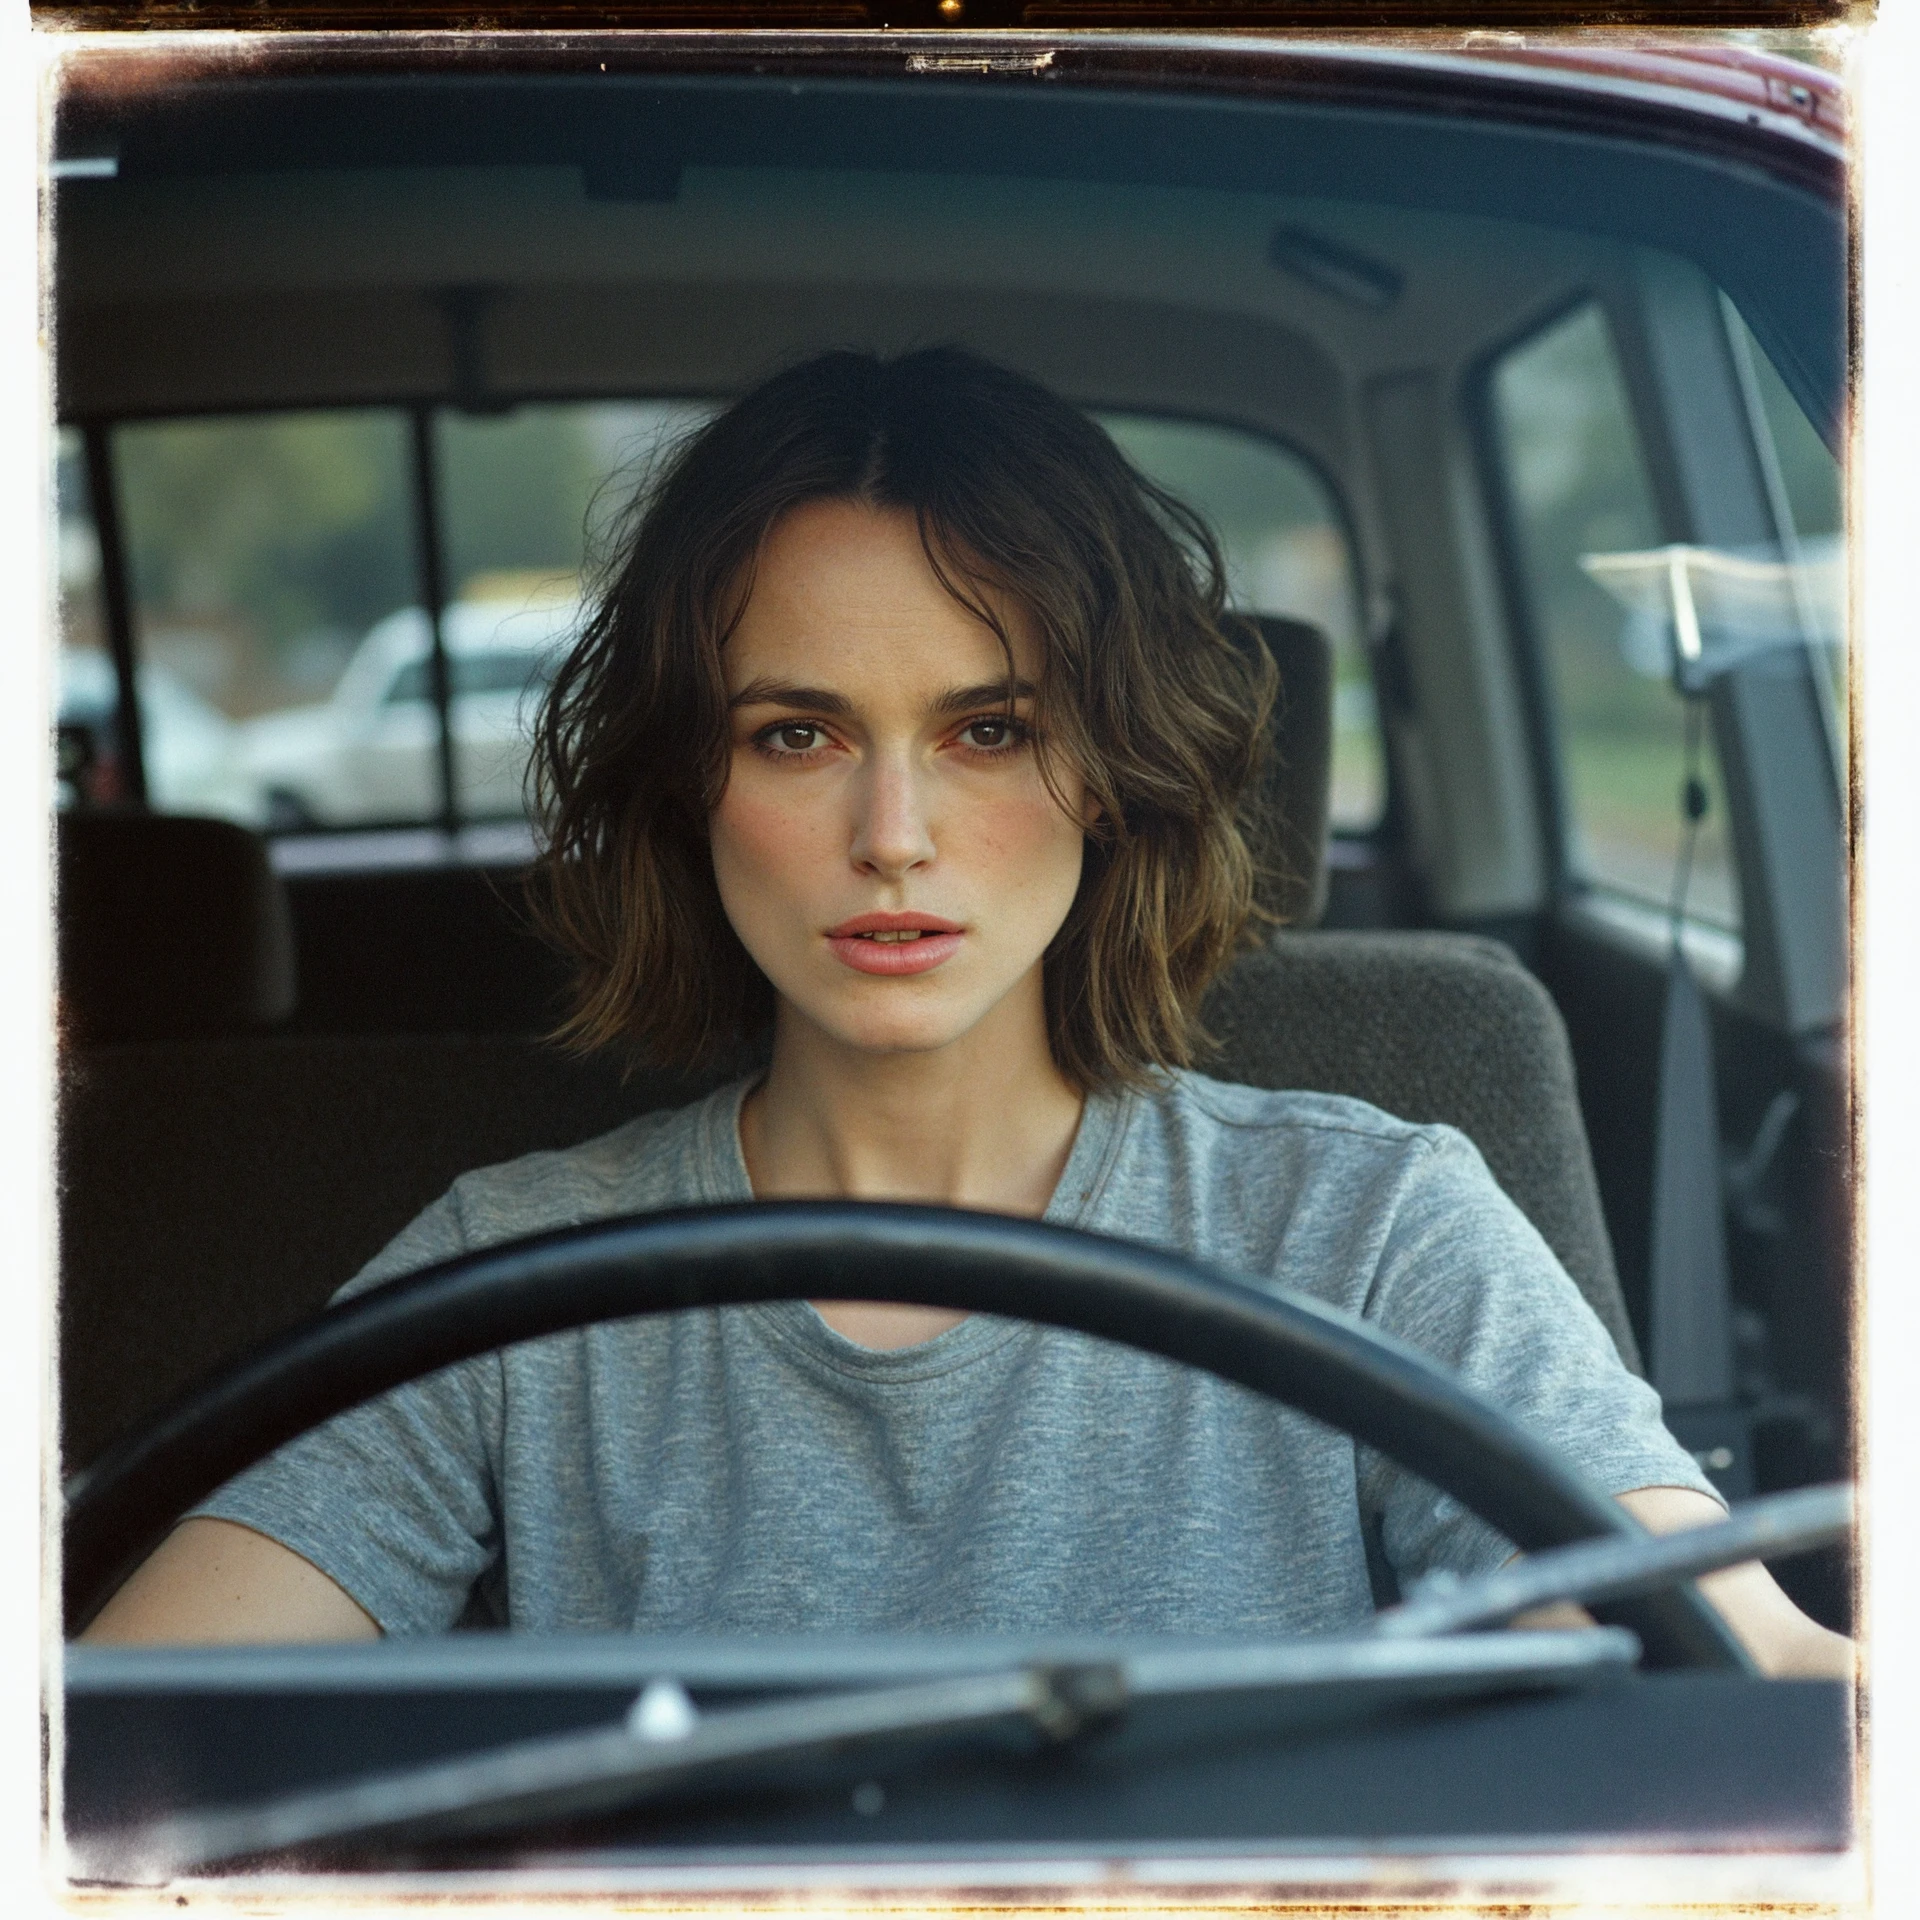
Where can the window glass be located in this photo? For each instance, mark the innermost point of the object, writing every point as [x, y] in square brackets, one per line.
[1809, 506]
[1579, 489]
[1286, 553]
[264, 552]
[527, 497]
[502, 671]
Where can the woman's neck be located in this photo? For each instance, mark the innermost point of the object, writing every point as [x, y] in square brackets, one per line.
[979, 1123]
[987, 1122]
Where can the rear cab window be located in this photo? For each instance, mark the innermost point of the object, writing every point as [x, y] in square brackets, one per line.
[1287, 552]
[276, 568]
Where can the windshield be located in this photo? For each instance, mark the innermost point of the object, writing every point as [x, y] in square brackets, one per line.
[1244, 674]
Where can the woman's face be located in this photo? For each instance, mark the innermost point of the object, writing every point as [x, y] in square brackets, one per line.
[885, 848]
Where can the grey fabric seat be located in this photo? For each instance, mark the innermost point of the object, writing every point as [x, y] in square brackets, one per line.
[168, 926]
[215, 1193]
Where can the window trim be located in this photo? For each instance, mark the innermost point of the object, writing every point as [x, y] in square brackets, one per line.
[1532, 668]
[430, 571]
[1789, 829]
[1741, 347]
[116, 604]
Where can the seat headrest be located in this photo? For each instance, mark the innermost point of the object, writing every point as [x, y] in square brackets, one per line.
[168, 925]
[1298, 780]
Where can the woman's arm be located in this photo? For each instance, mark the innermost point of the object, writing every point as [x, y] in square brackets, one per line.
[213, 1580]
[1781, 1638]
[1785, 1644]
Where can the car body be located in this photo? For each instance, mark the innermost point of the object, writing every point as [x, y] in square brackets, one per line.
[1519, 318]
[370, 751]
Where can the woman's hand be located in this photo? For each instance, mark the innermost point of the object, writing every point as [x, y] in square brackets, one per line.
[1782, 1640]
[1784, 1643]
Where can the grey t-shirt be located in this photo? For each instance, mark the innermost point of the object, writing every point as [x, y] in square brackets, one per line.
[748, 1470]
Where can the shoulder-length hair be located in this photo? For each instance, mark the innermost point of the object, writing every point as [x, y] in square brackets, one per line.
[1144, 691]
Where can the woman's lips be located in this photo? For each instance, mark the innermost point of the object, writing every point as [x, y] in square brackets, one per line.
[895, 943]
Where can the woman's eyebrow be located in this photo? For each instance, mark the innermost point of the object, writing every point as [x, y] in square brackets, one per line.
[990, 693]
[783, 693]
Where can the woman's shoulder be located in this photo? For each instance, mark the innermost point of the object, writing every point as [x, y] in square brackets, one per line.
[1302, 1187]
[673, 1157]
[1198, 1103]
[1199, 1160]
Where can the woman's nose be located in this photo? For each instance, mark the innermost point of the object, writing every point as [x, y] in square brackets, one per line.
[892, 833]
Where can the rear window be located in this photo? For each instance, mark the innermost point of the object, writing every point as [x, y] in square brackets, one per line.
[1287, 552]
[514, 673]
[275, 566]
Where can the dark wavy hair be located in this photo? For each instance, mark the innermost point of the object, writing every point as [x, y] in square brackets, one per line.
[1155, 697]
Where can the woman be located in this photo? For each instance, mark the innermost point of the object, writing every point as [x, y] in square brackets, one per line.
[908, 731]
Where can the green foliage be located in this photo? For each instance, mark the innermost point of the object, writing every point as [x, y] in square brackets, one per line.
[515, 490]
[273, 525]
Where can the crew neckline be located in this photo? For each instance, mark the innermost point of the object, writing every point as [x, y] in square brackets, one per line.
[723, 1178]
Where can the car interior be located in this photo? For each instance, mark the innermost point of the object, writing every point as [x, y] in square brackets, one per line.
[1454, 358]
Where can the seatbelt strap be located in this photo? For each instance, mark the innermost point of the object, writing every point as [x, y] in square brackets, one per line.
[1690, 1319]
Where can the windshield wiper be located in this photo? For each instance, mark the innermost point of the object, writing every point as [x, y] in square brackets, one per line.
[663, 1745]
[665, 1748]
[1419, 1654]
[1611, 1569]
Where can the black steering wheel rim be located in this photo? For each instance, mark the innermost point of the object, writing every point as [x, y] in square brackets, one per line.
[1295, 1349]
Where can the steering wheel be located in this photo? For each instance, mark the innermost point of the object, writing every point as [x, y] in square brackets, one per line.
[1307, 1355]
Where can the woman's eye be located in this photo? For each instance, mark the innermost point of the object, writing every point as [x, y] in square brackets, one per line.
[796, 737]
[990, 736]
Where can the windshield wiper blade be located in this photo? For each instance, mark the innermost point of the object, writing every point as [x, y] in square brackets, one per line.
[1613, 1568]
[1172, 1697]
[663, 1746]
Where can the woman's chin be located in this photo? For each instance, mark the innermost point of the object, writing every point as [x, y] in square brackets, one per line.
[882, 1040]
[880, 1032]
[878, 1018]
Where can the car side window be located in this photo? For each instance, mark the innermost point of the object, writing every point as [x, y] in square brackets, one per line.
[1808, 498]
[1287, 552]
[1579, 497]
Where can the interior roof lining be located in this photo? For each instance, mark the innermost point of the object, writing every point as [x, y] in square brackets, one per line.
[1779, 250]
[189, 357]
[530, 234]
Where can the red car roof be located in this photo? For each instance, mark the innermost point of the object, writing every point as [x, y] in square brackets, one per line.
[1767, 84]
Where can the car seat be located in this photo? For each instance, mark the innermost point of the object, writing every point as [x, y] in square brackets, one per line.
[219, 1178]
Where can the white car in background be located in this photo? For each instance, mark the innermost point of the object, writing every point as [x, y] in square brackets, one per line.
[370, 752]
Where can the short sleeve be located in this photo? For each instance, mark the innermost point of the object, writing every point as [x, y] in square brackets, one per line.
[396, 1501]
[1465, 1277]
